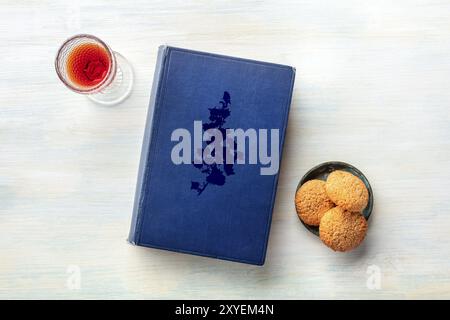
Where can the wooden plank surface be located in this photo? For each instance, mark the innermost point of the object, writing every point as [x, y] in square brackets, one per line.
[372, 89]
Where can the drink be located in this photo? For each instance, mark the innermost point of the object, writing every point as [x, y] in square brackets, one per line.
[88, 64]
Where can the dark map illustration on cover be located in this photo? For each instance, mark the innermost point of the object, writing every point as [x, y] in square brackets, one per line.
[216, 173]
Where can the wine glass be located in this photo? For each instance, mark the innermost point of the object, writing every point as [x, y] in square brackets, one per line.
[87, 65]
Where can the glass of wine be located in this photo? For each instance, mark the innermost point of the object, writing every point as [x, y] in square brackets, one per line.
[87, 65]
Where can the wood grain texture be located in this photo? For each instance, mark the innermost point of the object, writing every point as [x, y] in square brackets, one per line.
[372, 89]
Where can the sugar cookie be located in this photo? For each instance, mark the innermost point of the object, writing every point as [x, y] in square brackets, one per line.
[347, 191]
[311, 202]
[342, 230]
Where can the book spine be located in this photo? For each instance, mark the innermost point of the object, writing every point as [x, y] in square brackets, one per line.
[275, 185]
[133, 236]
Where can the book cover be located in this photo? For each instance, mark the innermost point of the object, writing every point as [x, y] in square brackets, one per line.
[211, 154]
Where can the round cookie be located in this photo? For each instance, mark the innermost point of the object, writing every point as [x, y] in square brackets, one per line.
[347, 191]
[342, 230]
[311, 202]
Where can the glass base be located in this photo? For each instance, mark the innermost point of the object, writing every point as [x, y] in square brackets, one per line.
[121, 86]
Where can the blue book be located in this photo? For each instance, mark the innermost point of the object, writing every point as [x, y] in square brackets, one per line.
[211, 153]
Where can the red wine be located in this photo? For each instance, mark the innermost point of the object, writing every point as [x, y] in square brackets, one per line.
[88, 64]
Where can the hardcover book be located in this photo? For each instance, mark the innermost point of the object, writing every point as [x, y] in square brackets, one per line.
[211, 155]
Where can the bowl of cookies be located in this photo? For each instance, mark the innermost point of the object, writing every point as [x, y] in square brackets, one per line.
[334, 201]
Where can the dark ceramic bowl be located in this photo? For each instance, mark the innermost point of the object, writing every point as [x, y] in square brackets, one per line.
[322, 171]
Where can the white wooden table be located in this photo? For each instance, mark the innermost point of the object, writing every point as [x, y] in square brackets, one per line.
[372, 89]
